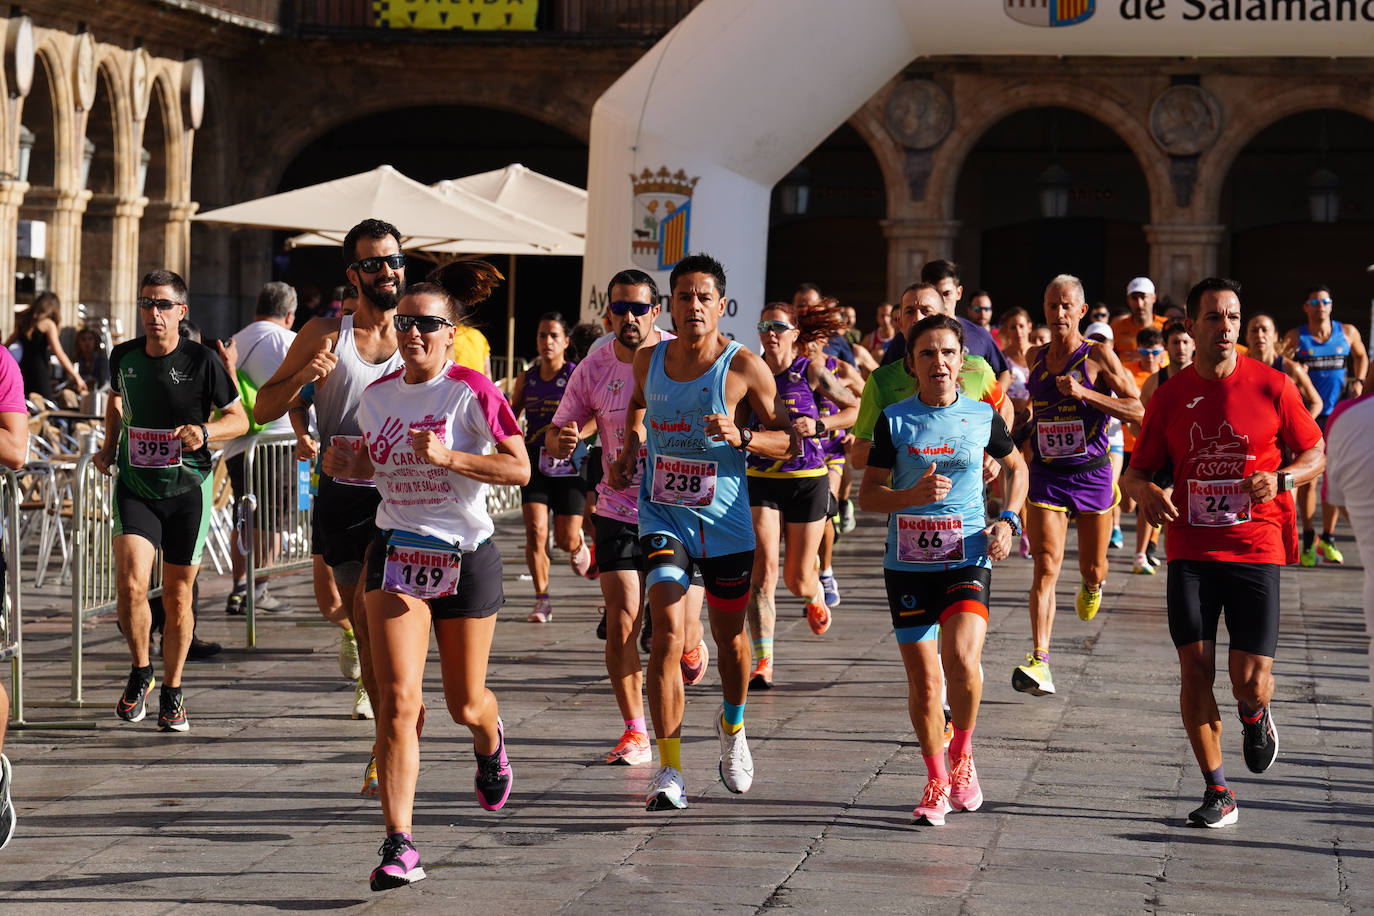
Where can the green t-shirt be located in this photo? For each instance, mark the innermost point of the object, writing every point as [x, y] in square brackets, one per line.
[890, 384]
[158, 394]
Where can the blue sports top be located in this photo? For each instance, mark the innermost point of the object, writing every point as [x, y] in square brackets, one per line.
[907, 438]
[711, 516]
[1325, 363]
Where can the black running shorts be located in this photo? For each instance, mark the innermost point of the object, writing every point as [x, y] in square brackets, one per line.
[1200, 591]
[799, 499]
[617, 545]
[726, 578]
[345, 521]
[564, 495]
[177, 524]
[920, 601]
[479, 591]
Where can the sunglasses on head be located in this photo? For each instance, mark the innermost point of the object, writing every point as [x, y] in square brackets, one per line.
[1319, 301]
[637, 309]
[372, 265]
[776, 327]
[162, 305]
[425, 324]
[1152, 351]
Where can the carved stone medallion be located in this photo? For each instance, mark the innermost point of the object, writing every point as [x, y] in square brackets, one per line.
[919, 113]
[1185, 120]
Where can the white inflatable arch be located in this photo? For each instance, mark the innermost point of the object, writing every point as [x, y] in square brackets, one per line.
[687, 145]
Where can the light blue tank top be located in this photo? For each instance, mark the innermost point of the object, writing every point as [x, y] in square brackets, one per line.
[674, 426]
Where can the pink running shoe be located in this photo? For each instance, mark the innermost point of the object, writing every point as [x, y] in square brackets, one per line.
[694, 664]
[934, 804]
[494, 776]
[400, 863]
[964, 792]
[543, 610]
[581, 560]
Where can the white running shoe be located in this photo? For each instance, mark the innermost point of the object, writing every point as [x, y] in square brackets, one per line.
[666, 791]
[736, 763]
[362, 706]
[349, 666]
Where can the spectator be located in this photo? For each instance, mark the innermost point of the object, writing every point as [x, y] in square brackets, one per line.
[36, 329]
[92, 362]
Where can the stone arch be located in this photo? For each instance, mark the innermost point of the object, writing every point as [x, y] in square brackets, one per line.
[1245, 122]
[111, 70]
[166, 165]
[52, 65]
[869, 123]
[992, 107]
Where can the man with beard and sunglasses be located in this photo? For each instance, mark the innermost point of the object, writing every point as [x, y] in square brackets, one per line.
[342, 356]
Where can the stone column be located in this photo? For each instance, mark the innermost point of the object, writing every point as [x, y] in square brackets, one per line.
[63, 211]
[913, 242]
[124, 270]
[1181, 255]
[11, 196]
[178, 234]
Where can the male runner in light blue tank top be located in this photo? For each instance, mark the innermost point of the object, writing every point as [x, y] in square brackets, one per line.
[693, 396]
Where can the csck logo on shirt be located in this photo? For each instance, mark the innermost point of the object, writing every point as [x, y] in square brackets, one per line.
[1219, 457]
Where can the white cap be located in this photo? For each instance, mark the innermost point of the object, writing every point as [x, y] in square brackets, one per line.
[1101, 328]
[1140, 285]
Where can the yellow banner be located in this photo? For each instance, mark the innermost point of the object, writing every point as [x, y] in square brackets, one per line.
[473, 15]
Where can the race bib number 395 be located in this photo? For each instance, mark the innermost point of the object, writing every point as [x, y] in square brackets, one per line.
[683, 482]
[421, 567]
[154, 448]
[1217, 503]
[930, 538]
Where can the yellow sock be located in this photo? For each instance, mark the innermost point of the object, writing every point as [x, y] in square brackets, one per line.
[730, 729]
[670, 753]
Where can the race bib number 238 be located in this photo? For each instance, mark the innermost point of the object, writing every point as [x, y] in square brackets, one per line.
[683, 482]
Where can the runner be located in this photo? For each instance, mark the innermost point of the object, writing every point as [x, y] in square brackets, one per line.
[1148, 360]
[1220, 425]
[429, 430]
[342, 356]
[693, 511]
[598, 393]
[940, 551]
[157, 431]
[835, 443]
[14, 451]
[877, 340]
[1075, 385]
[1324, 347]
[1261, 336]
[792, 495]
[555, 484]
[1101, 332]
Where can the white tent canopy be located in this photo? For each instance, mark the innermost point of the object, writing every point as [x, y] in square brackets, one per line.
[527, 191]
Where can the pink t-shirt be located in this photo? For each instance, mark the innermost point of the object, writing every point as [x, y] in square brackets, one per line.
[471, 415]
[600, 388]
[11, 385]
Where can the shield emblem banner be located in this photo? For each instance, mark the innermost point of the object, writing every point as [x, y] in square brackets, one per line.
[1049, 13]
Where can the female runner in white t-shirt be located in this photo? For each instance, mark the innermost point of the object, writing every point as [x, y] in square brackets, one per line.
[429, 430]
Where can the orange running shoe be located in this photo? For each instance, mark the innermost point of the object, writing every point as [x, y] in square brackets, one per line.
[949, 729]
[818, 617]
[632, 750]
[762, 678]
[694, 664]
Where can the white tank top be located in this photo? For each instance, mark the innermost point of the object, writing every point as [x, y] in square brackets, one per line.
[336, 398]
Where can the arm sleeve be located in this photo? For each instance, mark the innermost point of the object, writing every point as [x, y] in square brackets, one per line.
[994, 356]
[999, 438]
[884, 453]
[868, 409]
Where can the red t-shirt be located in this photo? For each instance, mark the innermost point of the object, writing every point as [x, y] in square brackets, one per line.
[1215, 433]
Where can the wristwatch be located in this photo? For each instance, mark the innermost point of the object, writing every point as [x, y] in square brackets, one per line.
[204, 436]
[1286, 481]
[820, 426]
[746, 435]
[1012, 519]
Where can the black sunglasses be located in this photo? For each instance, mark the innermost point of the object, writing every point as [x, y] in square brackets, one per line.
[637, 309]
[162, 305]
[427, 324]
[372, 265]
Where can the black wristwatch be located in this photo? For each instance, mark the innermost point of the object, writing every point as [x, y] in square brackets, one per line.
[746, 435]
[204, 435]
[1286, 481]
[820, 426]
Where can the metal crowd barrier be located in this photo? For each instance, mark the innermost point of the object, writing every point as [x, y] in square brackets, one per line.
[502, 500]
[277, 501]
[11, 624]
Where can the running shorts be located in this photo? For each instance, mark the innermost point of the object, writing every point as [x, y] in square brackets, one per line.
[345, 521]
[799, 499]
[617, 545]
[726, 577]
[1088, 492]
[1200, 591]
[920, 601]
[479, 592]
[177, 524]
[564, 495]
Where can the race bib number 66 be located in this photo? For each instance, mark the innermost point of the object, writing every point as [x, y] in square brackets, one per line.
[930, 538]
[682, 482]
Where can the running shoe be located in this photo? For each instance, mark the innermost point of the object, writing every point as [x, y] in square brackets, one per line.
[133, 704]
[370, 787]
[1308, 556]
[632, 750]
[762, 678]
[1141, 566]
[494, 776]
[6, 806]
[1117, 540]
[171, 711]
[830, 590]
[818, 617]
[1152, 554]
[948, 735]
[199, 649]
[1260, 741]
[266, 602]
[1033, 677]
[934, 804]
[736, 763]
[400, 864]
[349, 666]
[362, 704]
[1025, 546]
[964, 792]
[1218, 809]
[543, 611]
[646, 632]
[234, 604]
[694, 664]
[1089, 600]
[581, 560]
[1329, 552]
[667, 791]
[601, 624]
[847, 522]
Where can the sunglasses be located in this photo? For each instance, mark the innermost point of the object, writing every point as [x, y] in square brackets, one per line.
[425, 324]
[1155, 351]
[1319, 301]
[637, 309]
[372, 265]
[980, 308]
[1099, 316]
[776, 327]
[162, 305]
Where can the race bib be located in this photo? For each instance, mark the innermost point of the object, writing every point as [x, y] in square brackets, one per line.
[1060, 438]
[550, 466]
[350, 442]
[1217, 503]
[640, 461]
[930, 538]
[154, 448]
[420, 567]
[683, 482]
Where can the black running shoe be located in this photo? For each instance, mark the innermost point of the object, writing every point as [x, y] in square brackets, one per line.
[171, 711]
[1261, 741]
[400, 864]
[133, 704]
[646, 632]
[494, 774]
[601, 626]
[234, 605]
[1218, 809]
[200, 650]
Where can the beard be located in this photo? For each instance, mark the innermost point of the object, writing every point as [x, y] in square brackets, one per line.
[630, 336]
[387, 299]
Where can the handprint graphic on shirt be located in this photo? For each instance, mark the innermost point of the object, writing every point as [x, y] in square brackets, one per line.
[392, 432]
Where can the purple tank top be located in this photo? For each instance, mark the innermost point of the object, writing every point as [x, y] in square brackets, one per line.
[541, 400]
[795, 392]
[832, 443]
[1068, 433]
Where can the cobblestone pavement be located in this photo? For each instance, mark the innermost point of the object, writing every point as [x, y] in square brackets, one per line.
[257, 807]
